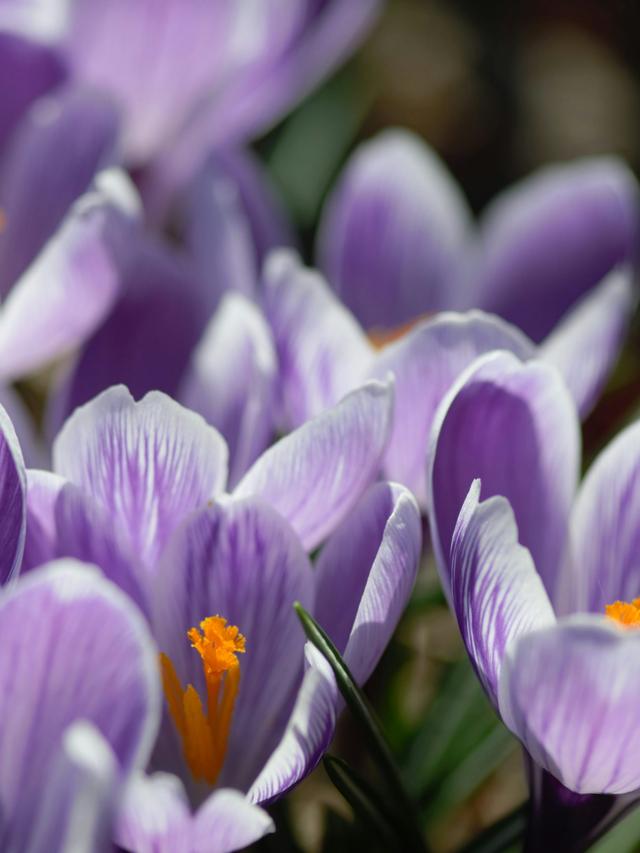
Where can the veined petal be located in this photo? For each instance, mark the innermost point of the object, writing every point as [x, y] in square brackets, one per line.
[307, 735]
[425, 362]
[43, 489]
[571, 693]
[605, 535]
[553, 237]
[239, 560]
[227, 821]
[149, 463]
[154, 815]
[496, 592]
[322, 351]
[365, 574]
[52, 159]
[232, 381]
[394, 231]
[13, 500]
[33, 448]
[514, 427]
[66, 292]
[315, 475]
[587, 342]
[75, 648]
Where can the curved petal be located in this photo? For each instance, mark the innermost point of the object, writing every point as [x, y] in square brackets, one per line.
[149, 463]
[33, 69]
[322, 351]
[307, 735]
[425, 364]
[605, 535]
[587, 342]
[227, 821]
[553, 237]
[496, 592]
[154, 815]
[52, 159]
[241, 561]
[316, 474]
[66, 292]
[33, 448]
[394, 231]
[74, 648]
[43, 489]
[365, 574]
[571, 693]
[13, 500]
[232, 381]
[514, 427]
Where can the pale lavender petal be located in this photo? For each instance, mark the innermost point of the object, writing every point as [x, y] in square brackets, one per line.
[43, 489]
[425, 363]
[241, 561]
[587, 342]
[308, 733]
[322, 351]
[52, 159]
[66, 292]
[33, 449]
[571, 694]
[394, 231]
[149, 463]
[154, 816]
[553, 237]
[179, 45]
[13, 500]
[33, 69]
[74, 648]
[605, 534]
[315, 475]
[148, 338]
[232, 381]
[365, 574]
[514, 427]
[497, 594]
[227, 821]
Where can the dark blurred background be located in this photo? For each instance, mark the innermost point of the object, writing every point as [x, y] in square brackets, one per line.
[498, 89]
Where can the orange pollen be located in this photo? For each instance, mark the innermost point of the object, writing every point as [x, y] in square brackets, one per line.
[626, 614]
[204, 735]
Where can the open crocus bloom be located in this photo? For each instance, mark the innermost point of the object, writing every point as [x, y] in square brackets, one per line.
[543, 577]
[139, 490]
[80, 709]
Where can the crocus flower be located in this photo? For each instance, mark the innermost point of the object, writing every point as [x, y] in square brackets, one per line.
[138, 489]
[542, 576]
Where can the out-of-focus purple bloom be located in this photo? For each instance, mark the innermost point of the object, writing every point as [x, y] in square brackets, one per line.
[80, 708]
[139, 489]
[396, 238]
[532, 569]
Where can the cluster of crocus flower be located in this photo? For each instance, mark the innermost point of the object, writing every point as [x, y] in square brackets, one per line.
[159, 680]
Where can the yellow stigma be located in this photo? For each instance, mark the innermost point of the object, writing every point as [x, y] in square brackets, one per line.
[204, 736]
[626, 614]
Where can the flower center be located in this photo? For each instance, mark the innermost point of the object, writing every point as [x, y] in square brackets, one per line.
[625, 613]
[204, 736]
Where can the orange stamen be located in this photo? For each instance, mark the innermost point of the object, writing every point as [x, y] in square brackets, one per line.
[204, 736]
[626, 614]
[380, 338]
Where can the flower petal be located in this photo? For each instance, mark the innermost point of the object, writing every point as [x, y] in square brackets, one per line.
[365, 574]
[74, 648]
[586, 343]
[241, 561]
[514, 427]
[496, 592]
[605, 535]
[149, 463]
[425, 364]
[52, 159]
[13, 500]
[307, 735]
[231, 382]
[33, 449]
[66, 292]
[322, 351]
[317, 473]
[43, 489]
[154, 815]
[227, 821]
[550, 239]
[393, 232]
[571, 694]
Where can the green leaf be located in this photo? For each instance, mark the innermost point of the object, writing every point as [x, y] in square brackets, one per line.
[623, 838]
[504, 835]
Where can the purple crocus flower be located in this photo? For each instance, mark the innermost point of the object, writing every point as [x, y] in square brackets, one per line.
[542, 576]
[139, 489]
